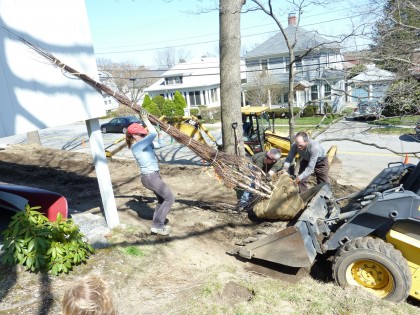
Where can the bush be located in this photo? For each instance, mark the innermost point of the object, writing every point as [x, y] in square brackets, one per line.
[38, 244]
[327, 108]
[194, 112]
[284, 112]
[153, 109]
[160, 101]
[169, 109]
[211, 114]
[308, 112]
[180, 103]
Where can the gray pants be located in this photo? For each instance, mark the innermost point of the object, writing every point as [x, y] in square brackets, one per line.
[154, 182]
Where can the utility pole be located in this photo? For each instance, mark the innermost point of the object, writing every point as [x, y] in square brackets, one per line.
[132, 92]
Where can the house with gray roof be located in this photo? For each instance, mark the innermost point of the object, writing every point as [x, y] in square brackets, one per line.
[319, 78]
[371, 84]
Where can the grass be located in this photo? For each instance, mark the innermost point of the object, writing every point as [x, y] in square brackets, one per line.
[273, 296]
[315, 120]
[391, 130]
[134, 251]
[397, 121]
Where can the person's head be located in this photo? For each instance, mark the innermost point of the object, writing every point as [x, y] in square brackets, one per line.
[272, 156]
[89, 296]
[301, 140]
[135, 132]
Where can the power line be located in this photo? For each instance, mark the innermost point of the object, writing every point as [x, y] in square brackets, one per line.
[215, 67]
[205, 42]
[245, 28]
[316, 66]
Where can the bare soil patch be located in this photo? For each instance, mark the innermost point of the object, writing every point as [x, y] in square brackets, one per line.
[186, 273]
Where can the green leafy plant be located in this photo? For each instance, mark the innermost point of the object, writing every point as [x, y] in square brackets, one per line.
[38, 244]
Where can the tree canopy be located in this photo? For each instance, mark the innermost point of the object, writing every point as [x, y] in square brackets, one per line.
[396, 35]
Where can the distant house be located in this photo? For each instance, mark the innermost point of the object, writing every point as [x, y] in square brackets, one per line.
[107, 79]
[197, 80]
[370, 84]
[319, 75]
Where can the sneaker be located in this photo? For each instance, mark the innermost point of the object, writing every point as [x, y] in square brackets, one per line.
[161, 231]
[240, 206]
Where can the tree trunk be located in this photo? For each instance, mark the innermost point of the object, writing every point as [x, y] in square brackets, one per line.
[230, 75]
[291, 100]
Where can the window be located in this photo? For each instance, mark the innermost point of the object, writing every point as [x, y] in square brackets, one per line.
[194, 98]
[173, 80]
[298, 64]
[327, 91]
[286, 64]
[314, 92]
[264, 66]
[251, 63]
[213, 96]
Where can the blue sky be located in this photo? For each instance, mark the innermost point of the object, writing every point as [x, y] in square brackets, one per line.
[135, 30]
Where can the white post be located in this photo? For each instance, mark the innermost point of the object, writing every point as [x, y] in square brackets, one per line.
[102, 172]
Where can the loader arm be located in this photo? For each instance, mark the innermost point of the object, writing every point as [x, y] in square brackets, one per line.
[298, 245]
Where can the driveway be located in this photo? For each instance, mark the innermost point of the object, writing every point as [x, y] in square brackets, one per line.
[360, 163]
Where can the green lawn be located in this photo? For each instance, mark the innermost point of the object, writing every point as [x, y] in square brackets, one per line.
[315, 120]
[397, 121]
[390, 130]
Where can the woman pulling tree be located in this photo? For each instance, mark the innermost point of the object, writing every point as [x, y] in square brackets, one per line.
[140, 141]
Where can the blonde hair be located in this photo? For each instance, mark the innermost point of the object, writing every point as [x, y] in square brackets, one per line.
[89, 296]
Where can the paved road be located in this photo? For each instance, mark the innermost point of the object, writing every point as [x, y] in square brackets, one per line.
[360, 163]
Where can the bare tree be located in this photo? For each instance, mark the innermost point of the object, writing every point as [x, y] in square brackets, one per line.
[129, 78]
[166, 58]
[264, 89]
[169, 57]
[396, 48]
[230, 75]
[291, 39]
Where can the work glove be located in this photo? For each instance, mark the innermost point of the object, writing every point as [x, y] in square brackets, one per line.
[268, 178]
[144, 114]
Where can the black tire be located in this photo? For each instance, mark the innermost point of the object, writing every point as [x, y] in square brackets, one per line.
[124, 130]
[375, 266]
[103, 129]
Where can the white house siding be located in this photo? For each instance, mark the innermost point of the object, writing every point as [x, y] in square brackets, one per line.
[371, 84]
[200, 76]
[110, 102]
[310, 69]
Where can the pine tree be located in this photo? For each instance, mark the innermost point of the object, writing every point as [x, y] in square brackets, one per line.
[159, 100]
[169, 109]
[180, 103]
[151, 106]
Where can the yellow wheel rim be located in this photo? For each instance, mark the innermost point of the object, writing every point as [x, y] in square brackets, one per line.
[372, 276]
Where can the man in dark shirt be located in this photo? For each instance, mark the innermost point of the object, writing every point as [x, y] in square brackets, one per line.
[270, 163]
[312, 159]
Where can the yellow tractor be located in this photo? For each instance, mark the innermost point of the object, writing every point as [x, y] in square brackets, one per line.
[373, 239]
[260, 135]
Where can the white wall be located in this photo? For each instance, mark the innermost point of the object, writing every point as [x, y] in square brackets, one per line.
[33, 93]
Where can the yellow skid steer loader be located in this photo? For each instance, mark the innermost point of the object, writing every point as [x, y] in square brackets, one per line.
[374, 239]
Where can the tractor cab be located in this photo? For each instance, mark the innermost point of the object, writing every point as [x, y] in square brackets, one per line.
[259, 134]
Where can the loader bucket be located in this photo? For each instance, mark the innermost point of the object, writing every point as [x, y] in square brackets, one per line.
[290, 247]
